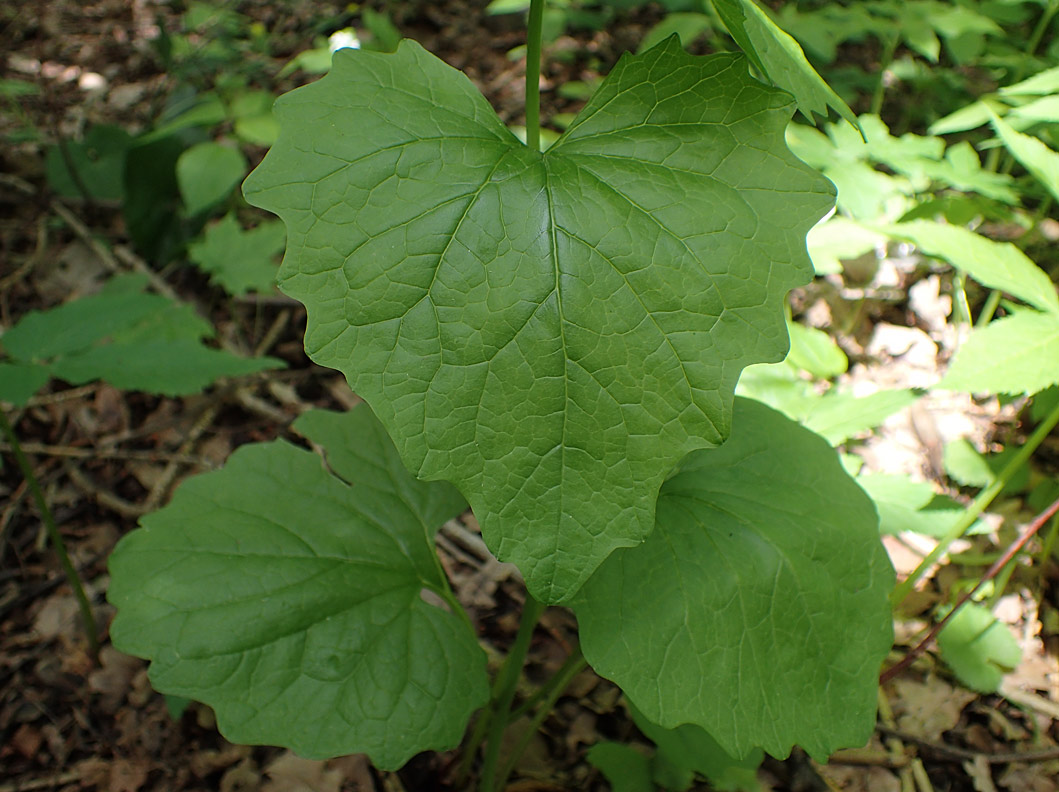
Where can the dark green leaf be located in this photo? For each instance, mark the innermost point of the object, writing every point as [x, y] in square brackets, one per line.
[550, 332]
[758, 608]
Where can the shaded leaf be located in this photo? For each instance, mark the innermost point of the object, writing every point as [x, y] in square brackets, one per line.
[237, 260]
[757, 609]
[551, 332]
[20, 381]
[780, 58]
[290, 603]
[625, 769]
[207, 173]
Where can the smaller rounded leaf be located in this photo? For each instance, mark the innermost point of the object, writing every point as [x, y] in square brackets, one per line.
[207, 174]
[757, 609]
[290, 602]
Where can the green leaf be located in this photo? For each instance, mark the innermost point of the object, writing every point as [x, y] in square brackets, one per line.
[239, 261]
[20, 381]
[997, 265]
[132, 340]
[780, 58]
[551, 332]
[97, 162]
[1035, 157]
[290, 602]
[207, 174]
[757, 609]
[625, 769]
[905, 504]
[688, 26]
[687, 750]
[839, 415]
[815, 351]
[978, 648]
[360, 451]
[42, 335]
[1043, 83]
[1017, 354]
[174, 368]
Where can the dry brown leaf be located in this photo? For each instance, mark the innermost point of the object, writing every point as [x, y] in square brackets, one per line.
[128, 775]
[113, 680]
[290, 773]
[926, 709]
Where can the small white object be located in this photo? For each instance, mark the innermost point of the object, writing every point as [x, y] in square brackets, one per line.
[343, 39]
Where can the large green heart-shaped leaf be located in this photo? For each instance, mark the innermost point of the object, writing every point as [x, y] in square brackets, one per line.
[758, 607]
[290, 601]
[551, 332]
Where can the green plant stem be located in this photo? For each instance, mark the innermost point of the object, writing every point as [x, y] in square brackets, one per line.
[504, 690]
[555, 686]
[534, 30]
[1001, 563]
[978, 505]
[884, 64]
[1039, 30]
[985, 316]
[87, 619]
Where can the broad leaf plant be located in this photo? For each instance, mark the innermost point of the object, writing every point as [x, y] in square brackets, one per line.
[553, 338]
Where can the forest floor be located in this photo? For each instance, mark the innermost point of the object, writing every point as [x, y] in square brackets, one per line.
[105, 457]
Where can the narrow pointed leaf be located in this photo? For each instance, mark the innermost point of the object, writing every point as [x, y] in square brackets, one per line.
[551, 333]
[1016, 354]
[290, 602]
[758, 608]
[780, 58]
[998, 265]
[1035, 157]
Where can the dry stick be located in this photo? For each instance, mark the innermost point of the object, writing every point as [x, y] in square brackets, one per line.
[957, 754]
[999, 564]
[74, 452]
[87, 619]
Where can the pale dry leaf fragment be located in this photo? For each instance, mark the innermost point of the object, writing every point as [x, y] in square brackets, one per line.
[291, 773]
[927, 709]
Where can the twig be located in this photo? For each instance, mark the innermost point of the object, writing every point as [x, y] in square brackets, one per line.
[956, 754]
[73, 452]
[30, 784]
[103, 496]
[999, 564]
[165, 481]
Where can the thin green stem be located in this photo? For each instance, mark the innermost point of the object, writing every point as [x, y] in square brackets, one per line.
[534, 30]
[87, 619]
[1038, 32]
[555, 686]
[504, 690]
[985, 316]
[978, 505]
[884, 64]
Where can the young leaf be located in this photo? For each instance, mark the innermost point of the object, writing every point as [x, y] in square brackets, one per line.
[289, 601]
[979, 648]
[687, 750]
[551, 332]
[1017, 354]
[780, 58]
[757, 609]
[207, 174]
[239, 261]
[625, 769]
[1035, 157]
[998, 265]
